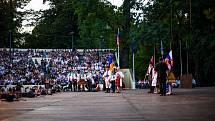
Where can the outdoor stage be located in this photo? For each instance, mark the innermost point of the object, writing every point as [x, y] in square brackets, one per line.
[131, 105]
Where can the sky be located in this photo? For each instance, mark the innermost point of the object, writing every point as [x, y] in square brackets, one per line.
[35, 5]
[38, 5]
[116, 2]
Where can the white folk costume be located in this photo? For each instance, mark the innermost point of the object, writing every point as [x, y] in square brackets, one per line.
[154, 78]
[121, 77]
[106, 77]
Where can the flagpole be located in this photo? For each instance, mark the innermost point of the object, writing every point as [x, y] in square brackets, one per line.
[171, 28]
[118, 57]
[118, 48]
[181, 57]
[133, 87]
[162, 49]
[133, 47]
[154, 55]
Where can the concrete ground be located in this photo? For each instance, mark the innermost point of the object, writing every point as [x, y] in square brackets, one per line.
[131, 105]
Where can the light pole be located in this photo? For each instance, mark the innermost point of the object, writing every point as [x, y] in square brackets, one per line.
[100, 47]
[102, 42]
[133, 68]
[10, 39]
[10, 28]
[72, 39]
[180, 41]
[133, 47]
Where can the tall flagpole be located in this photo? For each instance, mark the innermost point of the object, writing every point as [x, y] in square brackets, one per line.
[133, 87]
[171, 27]
[133, 62]
[181, 57]
[118, 47]
[154, 55]
[162, 49]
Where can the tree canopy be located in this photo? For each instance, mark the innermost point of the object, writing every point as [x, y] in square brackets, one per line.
[11, 19]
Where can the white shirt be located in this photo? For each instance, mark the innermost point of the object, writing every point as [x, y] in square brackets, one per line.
[106, 75]
[154, 77]
[89, 75]
[78, 77]
[70, 76]
[84, 76]
[113, 77]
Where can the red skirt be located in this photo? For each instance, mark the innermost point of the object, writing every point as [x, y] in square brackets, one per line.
[118, 82]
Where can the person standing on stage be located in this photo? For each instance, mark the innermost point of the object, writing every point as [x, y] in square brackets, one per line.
[106, 77]
[74, 80]
[89, 77]
[149, 77]
[154, 81]
[78, 77]
[113, 79]
[121, 79]
[118, 78]
[162, 69]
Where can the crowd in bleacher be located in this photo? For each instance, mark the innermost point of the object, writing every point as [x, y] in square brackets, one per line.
[59, 70]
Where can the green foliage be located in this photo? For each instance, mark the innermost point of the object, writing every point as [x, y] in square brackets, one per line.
[169, 21]
[93, 23]
[10, 19]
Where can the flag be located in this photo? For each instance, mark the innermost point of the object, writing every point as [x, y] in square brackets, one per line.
[110, 59]
[169, 60]
[110, 62]
[111, 67]
[162, 48]
[117, 38]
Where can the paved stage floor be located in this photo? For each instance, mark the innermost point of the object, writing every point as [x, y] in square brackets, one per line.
[131, 105]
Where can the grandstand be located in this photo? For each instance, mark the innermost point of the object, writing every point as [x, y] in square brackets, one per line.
[48, 69]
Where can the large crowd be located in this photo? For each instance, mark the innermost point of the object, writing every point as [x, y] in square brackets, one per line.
[35, 72]
[58, 70]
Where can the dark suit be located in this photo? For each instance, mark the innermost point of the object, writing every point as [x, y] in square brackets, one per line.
[161, 68]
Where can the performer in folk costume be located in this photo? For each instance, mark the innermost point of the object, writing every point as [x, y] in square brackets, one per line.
[69, 77]
[106, 77]
[118, 77]
[154, 81]
[121, 78]
[89, 80]
[78, 76]
[84, 79]
[170, 74]
[113, 79]
[170, 80]
[149, 77]
[74, 81]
